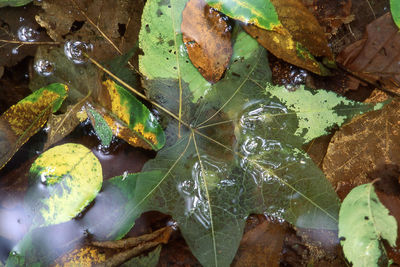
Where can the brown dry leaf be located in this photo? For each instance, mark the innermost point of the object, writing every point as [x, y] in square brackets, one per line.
[300, 38]
[207, 38]
[61, 125]
[364, 146]
[331, 15]
[376, 57]
[82, 20]
[261, 245]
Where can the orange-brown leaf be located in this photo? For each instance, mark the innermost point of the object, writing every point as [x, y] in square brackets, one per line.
[207, 38]
[298, 39]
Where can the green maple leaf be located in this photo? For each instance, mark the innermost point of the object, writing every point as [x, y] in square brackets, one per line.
[236, 151]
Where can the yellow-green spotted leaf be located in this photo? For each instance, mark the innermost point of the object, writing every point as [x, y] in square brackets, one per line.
[363, 224]
[63, 181]
[129, 119]
[261, 13]
[24, 119]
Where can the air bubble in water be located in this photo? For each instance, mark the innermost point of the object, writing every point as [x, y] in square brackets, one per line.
[27, 34]
[44, 67]
[76, 50]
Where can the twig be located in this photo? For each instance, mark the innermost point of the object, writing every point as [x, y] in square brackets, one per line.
[29, 43]
[133, 241]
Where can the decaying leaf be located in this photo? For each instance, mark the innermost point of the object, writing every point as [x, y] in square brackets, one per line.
[25, 118]
[61, 125]
[72, 177]
[207, 38]
[260, 245]
[331, 14]
[363, 223]
[84, 21]
[128, 118]
[364, 146]
[375, 58]
[289, 31]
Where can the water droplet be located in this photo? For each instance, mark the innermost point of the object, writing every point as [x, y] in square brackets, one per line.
[27, 34]
[15, 51]
[44, 67]
[76, 50]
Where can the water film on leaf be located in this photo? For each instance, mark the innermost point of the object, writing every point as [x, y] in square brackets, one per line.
[364, 222]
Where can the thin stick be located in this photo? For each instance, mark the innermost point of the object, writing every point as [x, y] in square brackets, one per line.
[29, 43]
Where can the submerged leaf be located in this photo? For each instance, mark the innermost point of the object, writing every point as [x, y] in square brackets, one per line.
[129, 119]
[363, 224]
[165, 55]
[24, 119]
[149, 260]
[239, 152]
[111, 26]
[63, 181]
[118, 195]
[207, 38]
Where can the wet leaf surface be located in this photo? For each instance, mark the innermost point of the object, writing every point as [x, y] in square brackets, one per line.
[288, 30]
[83, 21]
[208, 184]
[62, 182]
[207, 38]
[161, 41]
[363, 224]
[130, 119]
[25, 118]
[350, 161]
[375, 57]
